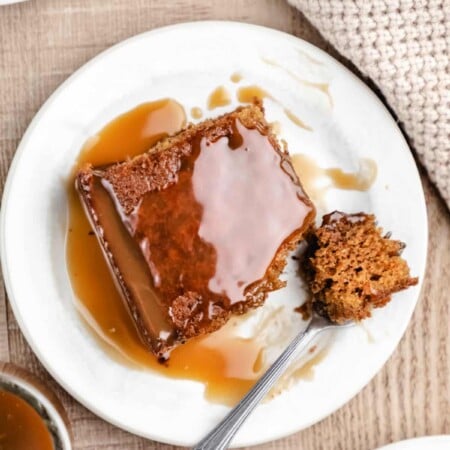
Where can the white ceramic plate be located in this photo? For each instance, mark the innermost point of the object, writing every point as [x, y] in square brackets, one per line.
[187, 62]
[422, 443]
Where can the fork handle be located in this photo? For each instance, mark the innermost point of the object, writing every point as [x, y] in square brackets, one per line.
[220, 437]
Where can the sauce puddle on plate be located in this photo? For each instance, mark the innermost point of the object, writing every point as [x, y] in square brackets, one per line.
[246, 94]
[226, 364]
[21, 427]
[317, 180]
[236, 77]
[218, 98]
[196, 112]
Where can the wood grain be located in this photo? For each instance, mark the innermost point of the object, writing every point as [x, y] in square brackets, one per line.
[42, 42]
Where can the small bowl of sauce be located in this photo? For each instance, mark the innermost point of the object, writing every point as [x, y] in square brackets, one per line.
[31, 416]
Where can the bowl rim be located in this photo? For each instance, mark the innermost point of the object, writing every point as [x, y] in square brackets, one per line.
[51, 411]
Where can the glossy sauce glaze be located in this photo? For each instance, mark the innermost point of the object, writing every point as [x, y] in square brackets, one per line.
[21, 427]
[196, 250]
[247, 94]
[194, 238]
[219, 97]
[226, 364]
[134, 132]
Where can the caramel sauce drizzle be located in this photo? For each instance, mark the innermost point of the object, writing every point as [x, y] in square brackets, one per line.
[218, 98]
[296, 120]
[317, 180]
[236, 77]
[196, 112]
[324, 88]
[247, 94]
[228, 365]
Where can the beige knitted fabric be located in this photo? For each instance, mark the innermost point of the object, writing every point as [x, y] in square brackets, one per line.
[403, 46]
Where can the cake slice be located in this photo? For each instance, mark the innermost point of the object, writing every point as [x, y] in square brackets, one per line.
[199, 227]
[351, 267]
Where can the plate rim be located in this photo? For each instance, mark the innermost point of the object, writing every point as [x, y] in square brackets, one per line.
[444, 438]
[35, 122]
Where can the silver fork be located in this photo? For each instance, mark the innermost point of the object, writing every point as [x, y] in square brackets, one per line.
[220, 437]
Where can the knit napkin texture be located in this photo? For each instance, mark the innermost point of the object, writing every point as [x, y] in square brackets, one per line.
[403, 47]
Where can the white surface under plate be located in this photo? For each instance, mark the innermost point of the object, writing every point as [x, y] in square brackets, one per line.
[423, 443]
[187, 62]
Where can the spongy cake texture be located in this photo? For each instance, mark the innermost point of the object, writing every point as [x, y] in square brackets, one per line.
[351, 267]
[155, 171]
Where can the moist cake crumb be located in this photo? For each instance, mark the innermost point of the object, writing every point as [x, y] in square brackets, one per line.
[351, 267]
[199, 227]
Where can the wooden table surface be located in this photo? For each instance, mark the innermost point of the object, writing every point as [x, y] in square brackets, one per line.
[42, 42]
